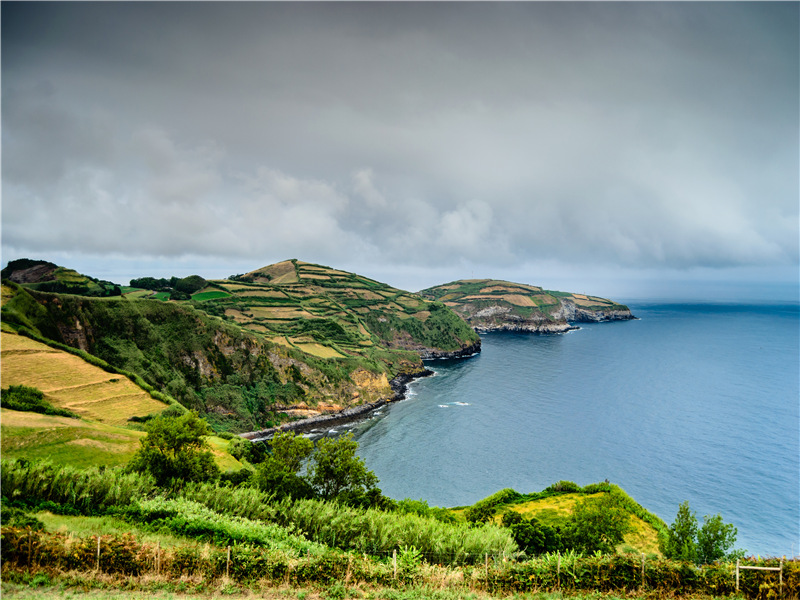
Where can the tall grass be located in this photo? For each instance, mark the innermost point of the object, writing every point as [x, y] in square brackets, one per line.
[89, 491]
[371, 531]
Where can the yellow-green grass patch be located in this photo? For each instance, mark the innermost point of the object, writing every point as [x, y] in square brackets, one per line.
[591, 302]
[65, 441]
[107, 525]
[138, 294]
[279, 312]
[236, 315]
[555, 509]
[70, 382]
[219, 448]
[319, 350]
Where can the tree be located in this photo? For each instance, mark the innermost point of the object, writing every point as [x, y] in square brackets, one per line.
[598, 524]
[715, 539]
[709, 543]
[681, 540]
[174, 450]
[336, 469]
[279, 473]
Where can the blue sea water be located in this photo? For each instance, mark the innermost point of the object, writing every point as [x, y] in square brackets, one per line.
[690, 402]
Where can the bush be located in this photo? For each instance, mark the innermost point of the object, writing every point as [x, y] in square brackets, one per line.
[20, 397]
[175, 451]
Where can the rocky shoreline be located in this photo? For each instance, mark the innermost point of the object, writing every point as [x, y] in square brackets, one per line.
[399, 386]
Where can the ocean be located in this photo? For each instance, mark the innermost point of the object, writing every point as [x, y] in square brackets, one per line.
[696, 402]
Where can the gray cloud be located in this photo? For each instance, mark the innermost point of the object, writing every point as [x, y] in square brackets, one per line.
[404, 135]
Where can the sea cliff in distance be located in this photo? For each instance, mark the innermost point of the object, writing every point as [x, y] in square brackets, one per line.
[494, 305]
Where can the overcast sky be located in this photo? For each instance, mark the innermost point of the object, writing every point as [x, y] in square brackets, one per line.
[622, 149]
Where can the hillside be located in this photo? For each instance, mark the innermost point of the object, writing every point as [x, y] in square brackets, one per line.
[332, 314]
[105, 402]
[283, 342]
[48, 277]
[554, 506]
[494, 305]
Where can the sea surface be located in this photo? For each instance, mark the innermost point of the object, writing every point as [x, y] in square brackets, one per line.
[696, 402]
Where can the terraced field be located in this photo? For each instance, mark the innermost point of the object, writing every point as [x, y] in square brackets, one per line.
[330, 313]
[70, 382]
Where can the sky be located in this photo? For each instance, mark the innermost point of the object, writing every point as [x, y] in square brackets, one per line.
[628, 150]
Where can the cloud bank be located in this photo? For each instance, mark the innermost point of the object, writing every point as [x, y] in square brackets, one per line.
[402, 135]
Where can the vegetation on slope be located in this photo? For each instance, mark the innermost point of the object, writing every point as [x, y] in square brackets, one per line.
[243, 350]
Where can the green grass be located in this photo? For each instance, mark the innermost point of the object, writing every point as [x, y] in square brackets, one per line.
[108, 525]
[211, 295]
[66, 441]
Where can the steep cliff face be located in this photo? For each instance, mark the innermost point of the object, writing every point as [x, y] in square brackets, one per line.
[492, 305]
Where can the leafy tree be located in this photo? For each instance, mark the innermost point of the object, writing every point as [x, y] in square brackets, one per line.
[715, 539]
[289, 451]
[598, 524]
[279, 473]
[531, 536]
[174, 450]
[190, 284]
[681, 539]
[711, 542]
[337, 470]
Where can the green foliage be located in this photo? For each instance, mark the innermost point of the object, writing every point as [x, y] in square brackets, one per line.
[192, 519]
[686, 542]
[714, 539]
[174, 450]
[483, 510]
[20, 397]
[532, 537]
[597, 525]
[191, 284]
[88, 491]
[336, 469]
[680, 543]
[564, 487]
[11, 516]
[278, 472]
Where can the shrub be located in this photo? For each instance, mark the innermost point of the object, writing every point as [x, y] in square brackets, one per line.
[20, 397]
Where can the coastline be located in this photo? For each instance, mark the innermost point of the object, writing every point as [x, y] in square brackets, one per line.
[399, 385]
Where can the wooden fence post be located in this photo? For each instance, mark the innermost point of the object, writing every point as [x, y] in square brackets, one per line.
[394, 562]
[642, 570]
[780, 579]
[228, 565]
[98, 553]
[737, 575]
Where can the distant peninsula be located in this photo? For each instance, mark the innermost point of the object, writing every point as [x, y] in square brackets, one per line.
[495, 305]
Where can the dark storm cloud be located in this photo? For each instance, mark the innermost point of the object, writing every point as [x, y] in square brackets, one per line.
[643, 135]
